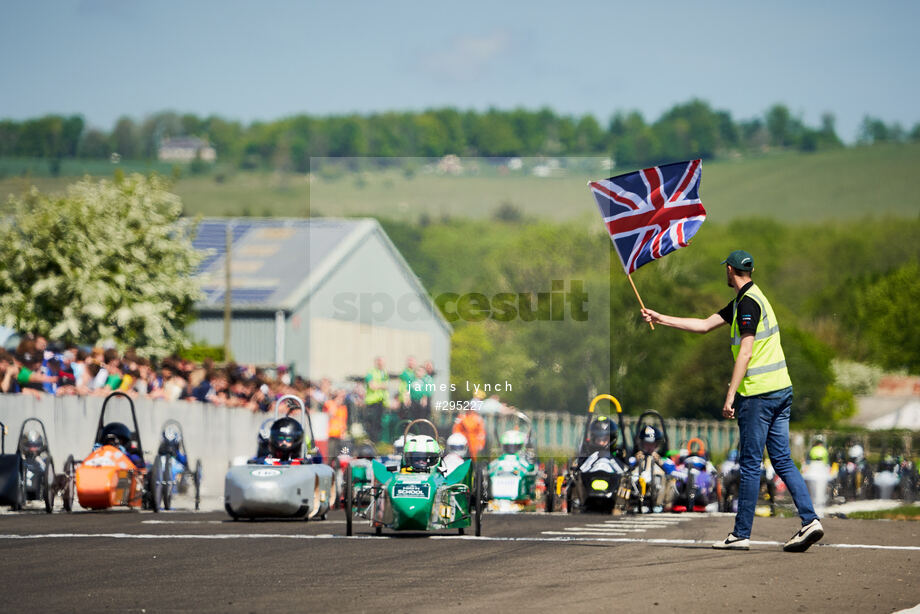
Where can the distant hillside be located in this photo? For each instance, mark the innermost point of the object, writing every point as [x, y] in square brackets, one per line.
[845, 183]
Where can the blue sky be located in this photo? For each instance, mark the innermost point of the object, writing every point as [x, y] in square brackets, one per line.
[265, 60]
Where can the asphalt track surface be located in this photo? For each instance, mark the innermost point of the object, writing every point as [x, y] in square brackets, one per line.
[203, 562]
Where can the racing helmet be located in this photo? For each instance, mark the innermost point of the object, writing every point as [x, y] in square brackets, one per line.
[856, 452]
[457, 444]
[601, 434]
[32, 443]
[422, 453]
[649, 439]
[285, 438]
[366, 450]
[172, 434]
[172, 437]
[513, 442]
[262, 438]
[399, 444]
[116, 434]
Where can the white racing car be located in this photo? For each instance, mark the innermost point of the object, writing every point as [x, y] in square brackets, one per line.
[290, 481]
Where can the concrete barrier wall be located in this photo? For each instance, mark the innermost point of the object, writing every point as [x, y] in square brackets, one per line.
[213, 434]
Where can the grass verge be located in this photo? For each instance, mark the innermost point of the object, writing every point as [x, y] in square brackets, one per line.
[904, 512]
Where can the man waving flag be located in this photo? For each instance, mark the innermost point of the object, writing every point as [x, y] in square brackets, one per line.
[652, 212]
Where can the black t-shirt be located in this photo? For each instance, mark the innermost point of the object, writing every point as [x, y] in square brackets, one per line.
[748, 312]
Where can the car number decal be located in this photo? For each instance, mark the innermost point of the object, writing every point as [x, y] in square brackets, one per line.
[418, 491]
[504, 487]
[265, 473]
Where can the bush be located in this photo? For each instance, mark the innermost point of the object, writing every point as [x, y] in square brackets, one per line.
[198, 352]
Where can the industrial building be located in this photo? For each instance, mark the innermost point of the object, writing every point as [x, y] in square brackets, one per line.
[322, 296]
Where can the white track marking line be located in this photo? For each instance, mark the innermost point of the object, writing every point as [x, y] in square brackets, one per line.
[185, 521]
[602, 530]
[647, 519]
[583, 532]
[675, 542]
[645, 525]
[179, 536]
[227, 521]
[561, 539]
[655, 521]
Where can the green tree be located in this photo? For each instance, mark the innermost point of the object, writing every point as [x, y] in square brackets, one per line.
[71, 132]
[828, 132]
[104, 261]
[784, 129]
[589, 137]
[885, 307]
[95, 144]
[635, 143]
[125, 140]
[873, 130]
[688, 130]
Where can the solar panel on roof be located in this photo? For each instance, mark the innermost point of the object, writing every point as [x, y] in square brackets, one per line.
[241, 296]
[287, 249]
[213, 236]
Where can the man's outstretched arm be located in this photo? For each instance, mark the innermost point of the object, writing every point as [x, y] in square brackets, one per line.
[694, 325]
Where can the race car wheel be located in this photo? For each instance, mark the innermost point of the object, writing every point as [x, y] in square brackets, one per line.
[378, 530]
[69, 484]
[197, 482]
[49, 486]
[349, 501]
[155, 485]
[550, 487]
[167, 482]
[477, 501]
[231, 512]
[22, 496]
[571, 505]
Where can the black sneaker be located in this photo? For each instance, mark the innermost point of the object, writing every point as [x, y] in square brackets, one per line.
[805, 537]
[733, 542]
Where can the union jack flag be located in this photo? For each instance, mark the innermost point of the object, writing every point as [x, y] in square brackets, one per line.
[652, 212]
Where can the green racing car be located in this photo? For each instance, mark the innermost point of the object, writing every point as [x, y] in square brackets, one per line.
[513, 476]
[418, 495]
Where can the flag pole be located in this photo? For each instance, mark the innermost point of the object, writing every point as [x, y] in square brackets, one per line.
[641, 304]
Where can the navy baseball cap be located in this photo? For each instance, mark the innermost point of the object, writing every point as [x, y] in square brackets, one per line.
[740, 260]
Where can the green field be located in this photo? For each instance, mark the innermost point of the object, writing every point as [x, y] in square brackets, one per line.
[846, 183]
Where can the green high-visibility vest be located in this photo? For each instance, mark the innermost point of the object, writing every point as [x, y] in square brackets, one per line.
[767, 370]
[372, 396]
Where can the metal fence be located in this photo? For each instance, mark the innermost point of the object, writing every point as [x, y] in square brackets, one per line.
[558, 433]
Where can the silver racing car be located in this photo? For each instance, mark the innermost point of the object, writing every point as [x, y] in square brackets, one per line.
[288, 480]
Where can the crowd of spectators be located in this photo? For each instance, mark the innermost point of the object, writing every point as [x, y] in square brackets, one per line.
[377, 403]
[40, 368]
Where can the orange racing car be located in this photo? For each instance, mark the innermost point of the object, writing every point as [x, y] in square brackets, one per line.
[114, 473]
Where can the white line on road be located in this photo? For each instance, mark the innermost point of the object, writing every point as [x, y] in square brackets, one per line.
[185, 521]
[565, 538]
[643, 525]
[601, 530]
[636, 520]
[574, 532]
[227, 521]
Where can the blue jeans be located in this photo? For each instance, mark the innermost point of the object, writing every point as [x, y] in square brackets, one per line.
[764, 419]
